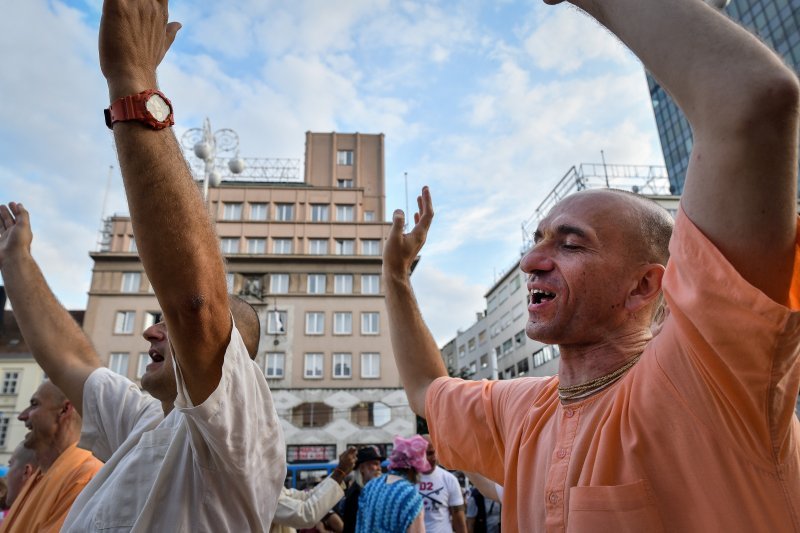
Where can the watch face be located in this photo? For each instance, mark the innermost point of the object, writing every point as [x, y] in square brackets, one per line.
[157, 107]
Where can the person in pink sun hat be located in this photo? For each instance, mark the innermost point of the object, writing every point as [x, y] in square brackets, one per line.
[391, 503]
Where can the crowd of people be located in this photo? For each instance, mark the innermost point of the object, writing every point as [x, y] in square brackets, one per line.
[680, 420]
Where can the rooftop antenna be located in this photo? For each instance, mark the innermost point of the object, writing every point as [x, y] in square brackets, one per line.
[105, 195]
[605, 169]
[104, 241]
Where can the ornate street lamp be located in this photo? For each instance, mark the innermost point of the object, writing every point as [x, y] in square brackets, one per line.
[205, 144]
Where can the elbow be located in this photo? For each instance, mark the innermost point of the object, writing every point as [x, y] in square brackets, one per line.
[771, 105]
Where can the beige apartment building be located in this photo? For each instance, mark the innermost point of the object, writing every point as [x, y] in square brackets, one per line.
[305, 251]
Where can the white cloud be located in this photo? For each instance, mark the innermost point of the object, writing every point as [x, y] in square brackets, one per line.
[448, 301]
[565, 40]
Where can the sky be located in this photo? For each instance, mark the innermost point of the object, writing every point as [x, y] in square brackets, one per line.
[488, 103]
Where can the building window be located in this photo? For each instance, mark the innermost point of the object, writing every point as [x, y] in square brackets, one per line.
[316, 284]
[484, 360]
[369, 216]
[4, 421]
[132, 245]
[370, 283]
[10, 382]
[319, 213]
[131, 281]
[507, 347]
[252, 287]
[273, 365]
[510, 372]
[471, 344]
[344, 157]
[370, 323]
[141, 367]
[281, 246]
[258, 211]
[315, 323]
[279, 283]
[345, 247]
[123, 324]
[231, 211]
[342, 365]
[313, 366]
[284, 212]
[343, 284]
[118, 362]
[370, 365]
[229, 245]
[462, 351]
[344, 213]
[371, 414]
[318, 246]
[370, 247]
[343, 323]
[544, 355]
[344, 184]
[152, 317]
[519, 338]
[312, 415]
[276, 322]
[256, 246]
[523, 367]
[482, 337]
[229, 279]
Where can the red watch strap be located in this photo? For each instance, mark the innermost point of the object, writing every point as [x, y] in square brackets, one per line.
[132, 107]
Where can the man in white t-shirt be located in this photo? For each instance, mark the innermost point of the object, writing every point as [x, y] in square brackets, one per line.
[441, 494]
[205, 452]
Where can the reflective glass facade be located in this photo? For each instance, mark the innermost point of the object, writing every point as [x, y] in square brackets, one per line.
[776, 22]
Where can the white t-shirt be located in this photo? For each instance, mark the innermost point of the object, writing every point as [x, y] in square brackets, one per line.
[218, 466]
[440, 491]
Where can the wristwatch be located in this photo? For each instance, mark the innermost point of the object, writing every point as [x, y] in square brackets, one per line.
[149, 107]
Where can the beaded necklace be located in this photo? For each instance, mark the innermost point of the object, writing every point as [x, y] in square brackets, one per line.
[588, 388]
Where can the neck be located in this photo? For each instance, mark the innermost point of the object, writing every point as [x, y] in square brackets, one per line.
[50, 455]
[581, 363]
[167, 407]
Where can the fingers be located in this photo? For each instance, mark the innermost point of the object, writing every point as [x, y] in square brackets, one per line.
[172, 32]
[425, 204]
[5, 217]
[398, 222]
[20, 213]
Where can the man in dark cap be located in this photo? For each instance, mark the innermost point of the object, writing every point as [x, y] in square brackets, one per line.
[368, 467]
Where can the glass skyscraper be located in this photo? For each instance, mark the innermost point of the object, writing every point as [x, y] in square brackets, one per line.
[777, 23]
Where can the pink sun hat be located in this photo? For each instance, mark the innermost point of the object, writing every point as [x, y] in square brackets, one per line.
[409, 453]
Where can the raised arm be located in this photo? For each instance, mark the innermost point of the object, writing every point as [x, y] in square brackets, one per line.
[175, 239]
[415, 351]
[56, 341]
[742, 104]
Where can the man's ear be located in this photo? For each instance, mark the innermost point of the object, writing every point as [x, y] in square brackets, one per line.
[646, 287]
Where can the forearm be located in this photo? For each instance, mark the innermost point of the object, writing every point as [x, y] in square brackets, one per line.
[56, 341]
[296, 513]
[176, 242]
[416, 353]
[459, 520]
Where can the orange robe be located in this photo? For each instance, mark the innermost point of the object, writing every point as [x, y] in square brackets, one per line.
[46, 498]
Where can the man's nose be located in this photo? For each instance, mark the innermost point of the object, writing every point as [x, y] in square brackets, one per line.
[537, 259]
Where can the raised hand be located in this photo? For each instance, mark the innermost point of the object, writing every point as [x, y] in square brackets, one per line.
[347, 460]
[15, 230]
[134, 37]
[401, 248]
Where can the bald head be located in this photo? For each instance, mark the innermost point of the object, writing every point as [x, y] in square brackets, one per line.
[247, 323]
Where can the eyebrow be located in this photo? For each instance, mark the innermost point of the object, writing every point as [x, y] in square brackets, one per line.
[563, 229]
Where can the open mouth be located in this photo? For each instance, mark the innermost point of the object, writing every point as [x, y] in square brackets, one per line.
[156, 357]
[538, 296]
